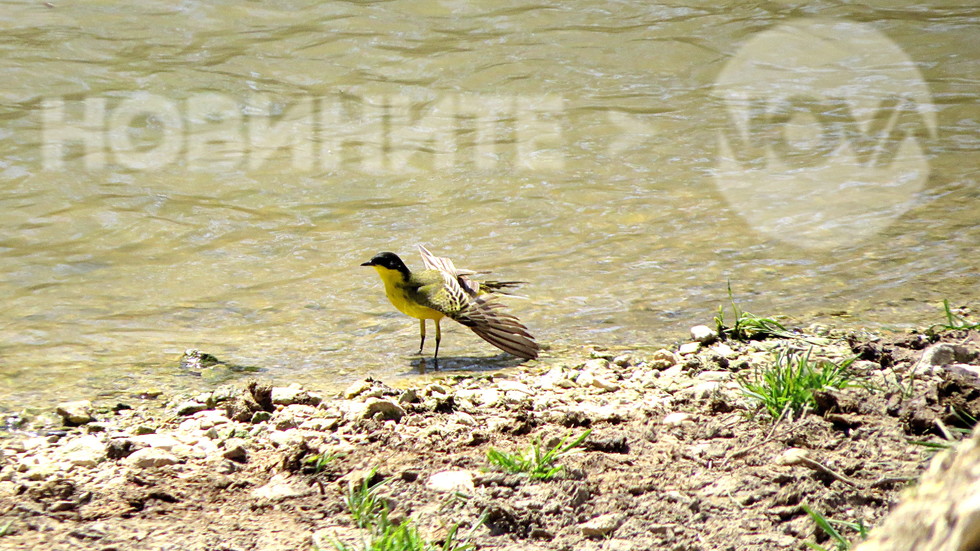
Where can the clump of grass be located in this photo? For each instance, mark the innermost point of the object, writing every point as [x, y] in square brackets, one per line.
[370, 511]
[317, 463]
[953, 321]
[789, 382]
[827, 525]
[537, 464]
[364, 503]
[5, 529]
[747, 326]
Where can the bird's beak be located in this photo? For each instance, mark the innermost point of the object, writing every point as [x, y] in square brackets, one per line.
[368, 263]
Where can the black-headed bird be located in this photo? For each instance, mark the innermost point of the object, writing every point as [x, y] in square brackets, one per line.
[443, 291]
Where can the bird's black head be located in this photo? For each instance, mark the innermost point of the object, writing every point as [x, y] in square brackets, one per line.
[389, 261]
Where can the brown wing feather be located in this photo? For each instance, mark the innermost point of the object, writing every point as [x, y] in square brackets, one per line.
[500, 329]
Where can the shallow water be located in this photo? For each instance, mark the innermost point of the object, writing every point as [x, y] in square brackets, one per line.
[211, 175]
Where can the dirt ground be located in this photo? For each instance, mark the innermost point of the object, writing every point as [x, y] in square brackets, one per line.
[678, 458]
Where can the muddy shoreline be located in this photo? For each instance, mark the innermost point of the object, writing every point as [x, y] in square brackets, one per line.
[678, 457]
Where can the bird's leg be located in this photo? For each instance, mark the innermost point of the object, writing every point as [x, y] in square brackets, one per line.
[422, 334]
[435, 357]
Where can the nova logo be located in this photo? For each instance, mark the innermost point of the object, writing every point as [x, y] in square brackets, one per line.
[822, 147]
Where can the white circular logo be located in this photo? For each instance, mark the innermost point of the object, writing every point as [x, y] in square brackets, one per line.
[821, 147]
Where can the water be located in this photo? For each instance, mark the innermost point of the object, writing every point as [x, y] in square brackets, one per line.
[575, 146]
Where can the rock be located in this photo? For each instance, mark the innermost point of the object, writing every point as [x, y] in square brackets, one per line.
[605, 384]
[151, 457]
[383, 408]
[703, 334]
[724, 350]
[293, 394]
[480, 397]
[75, 413]
[662, 359]
[943, 511]
[160, 441]
[677, 419]
[688, 348]
[281, 487]
[451, 481]
[235, 450]
[596, 364]
[190, 407]
[556, 377]
[210, 417]
[792, 456]
[943, 354]
[601, 525]
[86, 451]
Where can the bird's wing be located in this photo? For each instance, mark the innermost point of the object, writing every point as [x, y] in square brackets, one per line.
[500, 329]
[446, 266]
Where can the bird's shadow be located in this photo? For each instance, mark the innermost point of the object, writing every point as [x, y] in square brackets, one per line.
[422, 366]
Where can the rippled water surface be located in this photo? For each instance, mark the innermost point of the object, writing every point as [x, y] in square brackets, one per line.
[211, 175]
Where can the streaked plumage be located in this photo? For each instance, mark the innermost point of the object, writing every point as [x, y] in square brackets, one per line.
[442, 290]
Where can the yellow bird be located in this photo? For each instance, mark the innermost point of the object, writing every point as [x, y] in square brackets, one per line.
[441, 290]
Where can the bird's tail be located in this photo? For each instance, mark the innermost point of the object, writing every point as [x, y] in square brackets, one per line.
[500, 287]
[500, 329]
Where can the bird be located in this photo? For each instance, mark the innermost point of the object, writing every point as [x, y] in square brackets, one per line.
[443, 291]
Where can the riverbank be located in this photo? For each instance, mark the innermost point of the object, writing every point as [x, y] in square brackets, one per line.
[678, 456]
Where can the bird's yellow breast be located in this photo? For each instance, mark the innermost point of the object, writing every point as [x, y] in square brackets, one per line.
[400, 295]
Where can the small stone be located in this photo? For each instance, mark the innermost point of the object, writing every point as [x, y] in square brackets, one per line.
[75, 413]
[596, 364]
[601, 525]
[190, 407]
[151, 457]
[261, 417]
[724, 350]
[451, 481]
[792, 456]
[386, 409]
[160, 441]
[688, 348]
[703, 334]
[604, 384]
[410, 396]
[86, 451]
[293, 394]
[282, 487]
[677, 419]
[662, 359]
[235, 450]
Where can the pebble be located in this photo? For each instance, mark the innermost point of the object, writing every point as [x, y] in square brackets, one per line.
[601, 525]
[792, 456]
[85, 451]
[235, 450]
[677, 419]
[703, 334]
[688, 348]
[151, 457]
[159, 441]
[75, 413]
[662, 359]
[281, 487]
[451, 481]
[386, 409]
[190, 407]
[293, 394]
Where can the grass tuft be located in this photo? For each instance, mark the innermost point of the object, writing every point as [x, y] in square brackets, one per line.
[370, 511]
[827, 525]
[5, 529]
[954, 322]
[789, 382]
[534, 462]
[747, 326]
